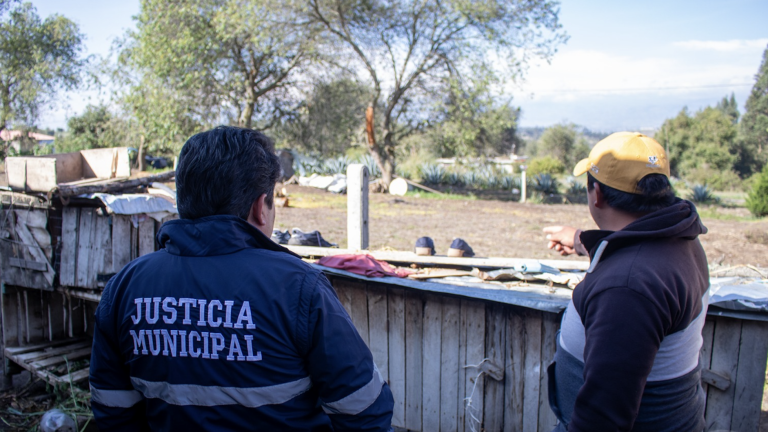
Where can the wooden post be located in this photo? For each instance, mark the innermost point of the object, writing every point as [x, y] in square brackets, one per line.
[357, 207]
[522, 185]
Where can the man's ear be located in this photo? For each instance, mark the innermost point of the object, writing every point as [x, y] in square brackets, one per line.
[599, 197]
[257, 216]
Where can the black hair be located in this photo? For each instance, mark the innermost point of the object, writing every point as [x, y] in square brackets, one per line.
[223, 171]
[655, 193]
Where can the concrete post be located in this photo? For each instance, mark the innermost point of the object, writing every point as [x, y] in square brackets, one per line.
[523, 185]
[357, 207]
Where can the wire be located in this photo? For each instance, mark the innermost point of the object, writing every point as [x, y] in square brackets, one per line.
[644, 88]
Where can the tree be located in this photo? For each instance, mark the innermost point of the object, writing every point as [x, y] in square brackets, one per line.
[754, 123]
[37, 58]
[702, 147]
[206, 62]
[564, 143]
[729, 108]
[471, 122]
[327, 121]
[757, 201]
[413, 51]
[96, 127]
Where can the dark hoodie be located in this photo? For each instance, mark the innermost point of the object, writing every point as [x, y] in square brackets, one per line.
[627, 355]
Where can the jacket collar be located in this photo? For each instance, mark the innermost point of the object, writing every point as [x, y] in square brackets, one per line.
[213, 235]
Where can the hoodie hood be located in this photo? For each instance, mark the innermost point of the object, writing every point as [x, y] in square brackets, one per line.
[213, 235]
[680, 220]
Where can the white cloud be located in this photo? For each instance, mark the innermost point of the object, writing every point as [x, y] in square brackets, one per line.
[723, 46]
[577, 74]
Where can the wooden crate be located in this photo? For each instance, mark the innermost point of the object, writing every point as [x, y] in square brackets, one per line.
[44, 173]
[26, 249]
[64, 361]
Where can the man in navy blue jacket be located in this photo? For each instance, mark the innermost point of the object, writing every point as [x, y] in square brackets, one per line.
[222, 329]
[628, 350]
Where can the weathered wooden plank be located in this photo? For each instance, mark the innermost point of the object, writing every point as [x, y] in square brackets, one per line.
[69, 225]
[550, 324]
[146, 236]
[377, 328]
[707, 336]
[343, 293]
[121, 242]
[433, 319]
[725, 356]
[28, 264]
[51, 361]
[463, 323]
[474, 355]
[359, 301]
[514, 375]
[449, 366]
[750, 376]
[102, 249]
[74, 377]
[494, 352]
[532, 370]
[33, 250]
[46, 353]
[85, 276]
[396, 315]
[414, 308]
[10, 313]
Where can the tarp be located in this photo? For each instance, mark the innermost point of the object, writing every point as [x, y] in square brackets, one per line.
[739, 293]
[153, 206]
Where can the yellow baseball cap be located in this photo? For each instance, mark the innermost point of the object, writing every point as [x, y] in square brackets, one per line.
[622, 159]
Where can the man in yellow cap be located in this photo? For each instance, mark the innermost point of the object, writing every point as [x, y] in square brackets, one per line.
[628, 350]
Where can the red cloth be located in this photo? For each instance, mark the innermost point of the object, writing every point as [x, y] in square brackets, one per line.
[363, 264]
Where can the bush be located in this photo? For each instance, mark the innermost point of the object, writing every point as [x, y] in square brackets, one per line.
[545, 165]
[432, 174]
[757, 201]
[714, 179]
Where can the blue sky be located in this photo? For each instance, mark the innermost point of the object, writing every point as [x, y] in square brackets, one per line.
[627, 65]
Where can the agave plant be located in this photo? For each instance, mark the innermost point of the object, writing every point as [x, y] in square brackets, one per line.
[702, 195]
[472, 179]
[337, 166]
[576, 189]
[454, 179]
[373, 169]
[545, 184]
[508, 182]
[432, 174]
[307, 166]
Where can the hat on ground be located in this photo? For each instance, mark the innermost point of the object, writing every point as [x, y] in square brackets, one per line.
[425, 246]
[622, 159]
[460, 248]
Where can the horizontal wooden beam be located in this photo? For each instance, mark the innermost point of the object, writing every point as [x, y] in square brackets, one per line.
[66, 191]
[412, 258]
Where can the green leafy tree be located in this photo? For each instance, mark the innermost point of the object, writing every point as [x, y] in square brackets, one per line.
[564, 143]
[327, 122]
[757, 201]
[754, 124]
[705, 143]
[37, 58]
[729, 108]
[96, 127]
[207, 62]
[470, 122]
[411, 52]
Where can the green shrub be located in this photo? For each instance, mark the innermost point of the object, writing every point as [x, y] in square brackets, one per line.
[757, 201]
[545, 165]
[545, 184]
[714, 179]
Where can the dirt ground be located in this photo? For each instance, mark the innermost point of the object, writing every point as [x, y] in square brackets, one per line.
[498, 228]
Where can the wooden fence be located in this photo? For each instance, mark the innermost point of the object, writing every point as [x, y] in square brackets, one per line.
[430, 347]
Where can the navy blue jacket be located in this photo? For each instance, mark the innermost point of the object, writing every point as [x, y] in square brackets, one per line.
[222, 329]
